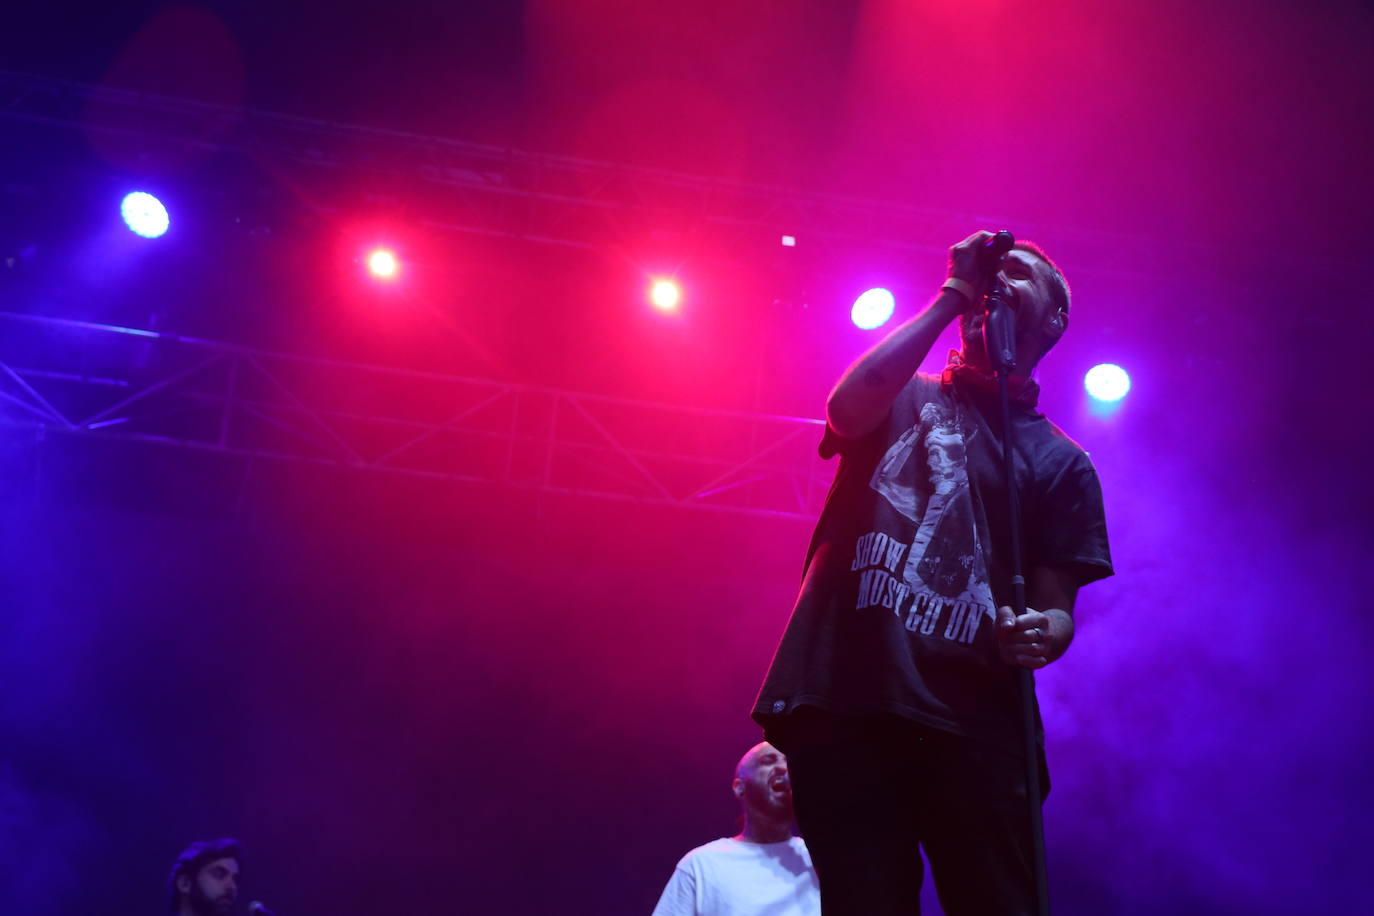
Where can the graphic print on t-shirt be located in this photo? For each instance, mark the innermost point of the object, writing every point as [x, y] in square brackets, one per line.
[944, 582]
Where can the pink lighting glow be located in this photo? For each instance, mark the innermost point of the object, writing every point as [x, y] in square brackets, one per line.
[665, 295]
[382, 264]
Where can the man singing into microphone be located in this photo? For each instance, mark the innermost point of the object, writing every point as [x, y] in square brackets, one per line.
[205, 879]
[894, 690]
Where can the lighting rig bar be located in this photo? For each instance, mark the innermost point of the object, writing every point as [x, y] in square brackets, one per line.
[62, 376]
[508, 192]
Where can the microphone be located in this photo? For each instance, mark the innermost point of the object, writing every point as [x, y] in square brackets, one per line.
[257, 908]
[992, 249]
[999, 330]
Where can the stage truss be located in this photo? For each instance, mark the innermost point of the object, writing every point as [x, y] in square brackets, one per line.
[62, 376]
[533, 196]
[82, 378]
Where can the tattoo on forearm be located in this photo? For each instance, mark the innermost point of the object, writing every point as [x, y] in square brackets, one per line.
[873, 378]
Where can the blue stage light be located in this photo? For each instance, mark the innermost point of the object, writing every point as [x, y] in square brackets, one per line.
[873, 308]
[144, 214]
[1107, 382]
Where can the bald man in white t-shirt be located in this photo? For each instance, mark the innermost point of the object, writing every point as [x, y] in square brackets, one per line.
[764, 869]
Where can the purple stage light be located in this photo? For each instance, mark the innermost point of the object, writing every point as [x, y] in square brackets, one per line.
[1107, 382]
[873, 308]
[144, 214]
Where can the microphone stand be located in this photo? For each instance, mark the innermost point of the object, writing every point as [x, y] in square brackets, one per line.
[999, 337]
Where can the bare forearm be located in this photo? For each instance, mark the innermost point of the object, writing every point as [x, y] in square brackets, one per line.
[865, 392]
[1060, 632]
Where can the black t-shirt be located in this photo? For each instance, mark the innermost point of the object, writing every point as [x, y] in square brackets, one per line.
[909, 562]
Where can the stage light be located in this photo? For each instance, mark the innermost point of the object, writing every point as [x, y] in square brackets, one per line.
[1107, 382]
[382, 264]
[144, 214]
[665, 295]
[873, 308]
[789, 241]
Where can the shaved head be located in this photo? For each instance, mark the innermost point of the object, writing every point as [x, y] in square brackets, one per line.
[750, 760]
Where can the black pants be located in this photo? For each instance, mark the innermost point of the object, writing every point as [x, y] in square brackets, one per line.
[869, 792]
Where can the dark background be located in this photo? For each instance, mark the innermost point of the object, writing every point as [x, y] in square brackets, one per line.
[406, 694]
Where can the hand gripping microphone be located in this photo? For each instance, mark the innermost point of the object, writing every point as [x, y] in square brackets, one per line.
[991, 251]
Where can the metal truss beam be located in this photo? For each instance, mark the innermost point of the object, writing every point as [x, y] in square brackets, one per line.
[91, 379]
[542, 197]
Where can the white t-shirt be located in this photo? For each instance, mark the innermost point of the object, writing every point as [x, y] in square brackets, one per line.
[729, 877]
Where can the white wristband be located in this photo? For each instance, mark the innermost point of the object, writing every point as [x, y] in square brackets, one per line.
[959, 286]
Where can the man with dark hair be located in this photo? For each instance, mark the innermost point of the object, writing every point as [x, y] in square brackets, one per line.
[205, 879]
[894, 690]
[763, 869]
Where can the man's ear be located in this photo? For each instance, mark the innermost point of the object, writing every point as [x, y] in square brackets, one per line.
[1058, 324]
[737, 786]
[184, 883]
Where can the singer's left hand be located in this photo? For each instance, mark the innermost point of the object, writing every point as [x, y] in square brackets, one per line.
[1027, 640]
[1038, 637]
